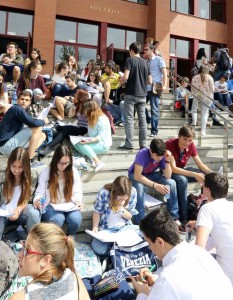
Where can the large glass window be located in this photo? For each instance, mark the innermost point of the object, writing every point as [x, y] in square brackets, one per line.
[181, 6]
[62, 52]
[85, 54]
[179, 48]
[213, 10]
[88, 34]
[19, 24]
[204, 9]
[2, 21]
[123, 38]
[210, 49]
[65, 31]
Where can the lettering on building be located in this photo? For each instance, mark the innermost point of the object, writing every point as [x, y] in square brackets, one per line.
[105, 9]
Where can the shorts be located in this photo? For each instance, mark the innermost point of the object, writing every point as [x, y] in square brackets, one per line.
[20, 139]
[67, 107]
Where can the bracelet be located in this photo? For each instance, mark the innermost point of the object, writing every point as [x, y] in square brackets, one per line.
[167, 162]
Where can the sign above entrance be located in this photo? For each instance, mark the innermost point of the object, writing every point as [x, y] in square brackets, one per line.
[105, 9]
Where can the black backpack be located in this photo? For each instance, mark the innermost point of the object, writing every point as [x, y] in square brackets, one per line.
[224, 61]
[8, 267]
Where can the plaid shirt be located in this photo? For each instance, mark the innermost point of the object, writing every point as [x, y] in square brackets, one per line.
[102, 206]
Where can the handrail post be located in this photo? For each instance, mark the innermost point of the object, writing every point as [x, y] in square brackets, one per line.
[225, 149]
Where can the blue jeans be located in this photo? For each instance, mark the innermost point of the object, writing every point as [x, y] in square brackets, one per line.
[25, 218]
[182, 185]
[172, 203]
[61, 90]
[154, 104]
[72, 218]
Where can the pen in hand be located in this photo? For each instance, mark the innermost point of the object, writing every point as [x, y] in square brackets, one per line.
[152, 268]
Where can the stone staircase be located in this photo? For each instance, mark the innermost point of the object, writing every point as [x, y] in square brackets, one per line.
[117, 162]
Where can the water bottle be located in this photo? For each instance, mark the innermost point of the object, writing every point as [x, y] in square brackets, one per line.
[14, 97]
[43, 205]
[188, 233]
[167, 196]
[220, 171]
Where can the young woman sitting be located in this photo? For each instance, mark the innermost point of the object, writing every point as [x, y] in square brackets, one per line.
[113, 209]
[59, 79]
[48, 257]
[15, 192]
[99, 131]
[60, 184]
[31, 79]
[73, 66]
[95, 88]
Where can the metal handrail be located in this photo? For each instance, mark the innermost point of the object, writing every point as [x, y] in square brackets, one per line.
[226, 122]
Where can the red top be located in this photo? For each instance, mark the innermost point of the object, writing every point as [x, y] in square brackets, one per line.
[38, 82]
[181, 158]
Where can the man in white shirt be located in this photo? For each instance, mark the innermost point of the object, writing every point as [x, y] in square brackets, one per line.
[215, 222]
[189, 272]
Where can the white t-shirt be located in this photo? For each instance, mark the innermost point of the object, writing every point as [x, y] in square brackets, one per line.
[221, 87]
[58, 79]
[115, 219]
[13, 204]
[217, 216]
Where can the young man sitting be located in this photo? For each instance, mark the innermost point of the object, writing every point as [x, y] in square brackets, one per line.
[152, 168]
[13, 134]
[110, 82]
[189, 272]
[63, 104]
[182, 148]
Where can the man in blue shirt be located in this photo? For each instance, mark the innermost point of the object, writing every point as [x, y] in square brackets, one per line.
[13, 134]
[159, 75]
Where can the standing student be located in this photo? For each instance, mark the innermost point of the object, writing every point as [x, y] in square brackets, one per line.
[48, 257]
[99, 131]
[136, 76]
[15, 192]
[60, 183]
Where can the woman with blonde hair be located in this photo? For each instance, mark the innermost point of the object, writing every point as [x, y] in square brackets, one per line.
[48, 257]
[205, 83]
[60, 184]
[15, 192]
[113, 209]
[99, 131]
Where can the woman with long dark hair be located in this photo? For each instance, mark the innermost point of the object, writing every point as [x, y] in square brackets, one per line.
[60, 184]
[95, 87]
[15, 192]
[32, 80]
[48, 257]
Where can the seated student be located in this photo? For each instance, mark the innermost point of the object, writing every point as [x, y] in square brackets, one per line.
[87, 70]
[95, 88]
[73, 66]
[48, 257]
[12, 63]
[189, 272]
[113, 209]
[63, 131]
[215, 223]
[59, 79]
[12, 132]
[60, 183]
[146, 171]
[182, 148]
[230, 86]
[182, 96]
[110, 82]
[31, 79]
[15, 191]
[99, 131]
[35, 55]
[64, 103]
[3, 89]
[221, 93]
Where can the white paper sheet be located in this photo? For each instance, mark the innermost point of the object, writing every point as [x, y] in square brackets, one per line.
[122, 238]
[76, 139]
[151, 201]
[64, 206]
[44, 113]
[6, 213]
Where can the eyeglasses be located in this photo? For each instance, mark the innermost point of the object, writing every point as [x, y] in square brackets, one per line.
[60, 163]
[28, 251]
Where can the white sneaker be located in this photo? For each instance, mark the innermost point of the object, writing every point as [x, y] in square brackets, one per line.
[203, 133]
[99, 166]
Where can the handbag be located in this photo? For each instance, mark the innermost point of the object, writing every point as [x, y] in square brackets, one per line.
[105, 286]
[157, 88]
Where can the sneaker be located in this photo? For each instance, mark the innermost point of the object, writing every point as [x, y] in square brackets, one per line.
[193, 124]
[99, 166]
[203, 133]
[36, 164]
[152, 135]
[217, 123]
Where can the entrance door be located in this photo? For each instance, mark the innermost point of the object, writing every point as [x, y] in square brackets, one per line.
[119, 57]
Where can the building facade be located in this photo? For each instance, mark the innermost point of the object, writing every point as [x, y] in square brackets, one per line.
[90, 27]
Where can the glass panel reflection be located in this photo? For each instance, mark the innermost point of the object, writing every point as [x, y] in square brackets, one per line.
[85, 54]
[133, 36]
[88, 34]
[62, 52]
[2, 21]
[117, 37]
[182, 48]
[65, 31]
[19, 24]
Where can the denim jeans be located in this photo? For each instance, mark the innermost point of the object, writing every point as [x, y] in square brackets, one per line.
[73, 218]
[139, 103]
[224, 99]
[154, 104]
[172, 203]
[182, 185]
[25, 218]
